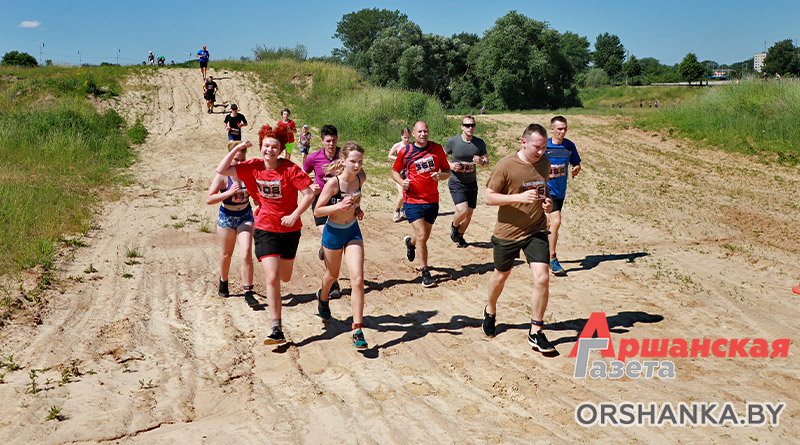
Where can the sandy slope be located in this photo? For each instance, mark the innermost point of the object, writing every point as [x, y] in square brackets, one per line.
[670, 241]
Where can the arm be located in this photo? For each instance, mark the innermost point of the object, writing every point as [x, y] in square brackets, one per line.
[394, 150]
[494, 198]
[575, 170]
[305, 203]
[215, 193]
[441, 176]
[399, 180]
[225, 168]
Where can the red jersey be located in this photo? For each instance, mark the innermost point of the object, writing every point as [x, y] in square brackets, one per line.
[418, 164]
[274, 191]
[289, 126]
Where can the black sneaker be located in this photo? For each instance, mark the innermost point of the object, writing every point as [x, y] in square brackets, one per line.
[454, 233]
[427, 279]
[540, 342]
[488, 324]
[323, 307]
[462, 243]
[250, 298]
[223, 288]
[276, 337]
[335, 291]
[411, 250]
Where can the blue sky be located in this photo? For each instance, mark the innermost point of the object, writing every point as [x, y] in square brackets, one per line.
[724, 31]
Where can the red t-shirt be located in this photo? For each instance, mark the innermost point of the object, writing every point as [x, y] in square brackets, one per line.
[274, 191]
[419, 163]
[289, 126]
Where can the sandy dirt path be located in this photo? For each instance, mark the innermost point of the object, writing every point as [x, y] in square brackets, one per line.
[669, 240]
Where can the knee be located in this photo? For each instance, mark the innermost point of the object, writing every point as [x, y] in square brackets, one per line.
[542, 280]
[357, 282]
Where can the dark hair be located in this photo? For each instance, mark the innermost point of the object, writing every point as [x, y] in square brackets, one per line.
[558, 119]
[268, 132]
[468, 117]
[328, 130]
[404, 131]
[534, 128]
[286, 110]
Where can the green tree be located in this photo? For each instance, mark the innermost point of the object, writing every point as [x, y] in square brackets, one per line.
[631, 68]
[596, 77]
[782, 58]
[608, 54]
[16, 58]
[690, 69]
[384, 54]
[358, 30]
[576, 49]
[519, 64]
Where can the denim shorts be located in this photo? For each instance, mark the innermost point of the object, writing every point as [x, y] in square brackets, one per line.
[232, 219]
[337, 236]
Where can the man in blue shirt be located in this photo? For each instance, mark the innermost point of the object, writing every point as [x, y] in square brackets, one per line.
[203, 56]
[562, 153]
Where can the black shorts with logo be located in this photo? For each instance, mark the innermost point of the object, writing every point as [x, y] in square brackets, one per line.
[276, 244]
[536, 248]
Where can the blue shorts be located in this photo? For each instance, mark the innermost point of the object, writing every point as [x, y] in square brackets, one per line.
[337, 236]
[234, 137]
[232, 219]
[417, 211]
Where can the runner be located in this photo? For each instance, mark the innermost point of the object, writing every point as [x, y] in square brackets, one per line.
[288, 125]
[466, 152]
[405, 139]
[518, 185]
[203, 56]
[235, 222]
[418, 168]
[210, 93]
[342, 234]
[276, 183]
[161, 60]
[562, 153]
[151, 59]
[234, 122]
[305, 143]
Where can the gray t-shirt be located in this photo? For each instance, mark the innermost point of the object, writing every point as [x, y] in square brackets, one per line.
[461, 151]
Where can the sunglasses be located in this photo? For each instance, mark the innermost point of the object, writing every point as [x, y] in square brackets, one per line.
[468, 125]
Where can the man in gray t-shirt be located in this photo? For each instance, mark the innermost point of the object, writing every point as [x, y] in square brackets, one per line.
[465, 151]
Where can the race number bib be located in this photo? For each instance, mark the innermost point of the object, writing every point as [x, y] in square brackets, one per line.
[234, 131]
[241, 196]
[269, 189]
[425, 165]
[538, 186]
[467, 167]
[557, 171]
[356, 198]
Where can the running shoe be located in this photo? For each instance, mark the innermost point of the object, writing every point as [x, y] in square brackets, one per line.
[276, 337]
[397, 216]
[323, 307]
[358, 340]
[335, 291]
[427, 279]
[454, 233]
[556, 268]
[540, 342]
[250, 298]
[223, 288]
[461, 243]
[411, 250]
[488, 324]
[209, 111]
[402, 214]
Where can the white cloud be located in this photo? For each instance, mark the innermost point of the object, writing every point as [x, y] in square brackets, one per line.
[30, 24]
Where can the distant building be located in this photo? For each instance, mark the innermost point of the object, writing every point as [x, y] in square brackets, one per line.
[720, 73]
[758, 61]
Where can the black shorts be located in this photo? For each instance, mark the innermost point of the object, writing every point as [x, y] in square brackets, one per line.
[275, 244]
[210, 97]
[203, 64]
[322, 219]
[461, 192]
[536, 248]
[558, 203]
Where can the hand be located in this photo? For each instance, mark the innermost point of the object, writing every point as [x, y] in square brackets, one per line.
[435, 176]
[288, 220]
[359, 214]
[576, 170]
[227, 128]
[315, 188]
[346, 203]
[406, 184]
[234, 188]
[547, 205]
[528, 197]
[247, 144]
[477, 160]
[456, 166]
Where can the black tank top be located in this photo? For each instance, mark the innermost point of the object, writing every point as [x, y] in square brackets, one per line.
[338, 196]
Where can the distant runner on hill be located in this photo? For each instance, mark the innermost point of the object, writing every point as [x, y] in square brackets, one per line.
[210, 93]
[234, 122]
[203, 56]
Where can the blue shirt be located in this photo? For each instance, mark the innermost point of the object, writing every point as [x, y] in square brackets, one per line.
[203, 55]
[560, 156]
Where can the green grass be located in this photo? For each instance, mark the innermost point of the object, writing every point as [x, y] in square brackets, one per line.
[57, 156]
[753, 117]
[630, 97]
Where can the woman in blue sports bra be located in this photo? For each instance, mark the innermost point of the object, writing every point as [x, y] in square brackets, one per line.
[235, 222]
[342, 234]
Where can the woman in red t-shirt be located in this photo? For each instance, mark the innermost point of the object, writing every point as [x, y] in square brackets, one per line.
[274, 185]
[287, 125]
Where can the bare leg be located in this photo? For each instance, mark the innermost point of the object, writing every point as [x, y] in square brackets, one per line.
[553, 224]
[462, 217]
[541, 292]
[333, 262]
[354, 255]
[497, 281]
[272, 266]
[227, 239]
[246, 252]
[422, 231]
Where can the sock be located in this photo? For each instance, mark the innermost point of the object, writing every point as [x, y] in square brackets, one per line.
[223, 281]
[552, 255]
[247, 288]
[277, 323]
[356, 326]
[536, 323]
